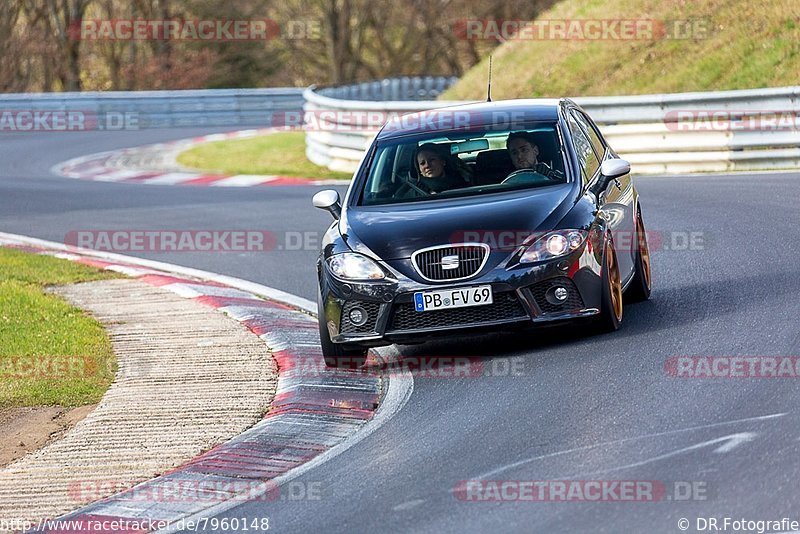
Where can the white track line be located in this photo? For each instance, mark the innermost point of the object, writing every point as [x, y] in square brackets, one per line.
[118, 176]
[170, 178]
[243, 180]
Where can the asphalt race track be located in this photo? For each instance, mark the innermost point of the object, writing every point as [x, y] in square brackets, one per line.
[585, 408]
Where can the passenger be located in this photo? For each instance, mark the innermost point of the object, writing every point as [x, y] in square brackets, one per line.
[524, 154]
[435, 171]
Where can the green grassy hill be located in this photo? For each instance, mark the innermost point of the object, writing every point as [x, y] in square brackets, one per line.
[748, 44]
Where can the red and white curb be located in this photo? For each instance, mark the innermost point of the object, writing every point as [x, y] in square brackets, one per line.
[155, 165]
[316, 414]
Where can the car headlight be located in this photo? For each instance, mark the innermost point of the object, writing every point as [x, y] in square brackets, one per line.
[352, 266]
[554, 244]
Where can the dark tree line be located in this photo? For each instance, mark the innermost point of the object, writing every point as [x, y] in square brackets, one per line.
[316, 41]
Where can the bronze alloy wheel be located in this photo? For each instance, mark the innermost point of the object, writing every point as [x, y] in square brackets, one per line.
[639, 288]
[614, 284]
[644, 250]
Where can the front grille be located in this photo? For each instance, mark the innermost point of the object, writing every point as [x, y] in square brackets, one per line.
[428, 262]
[573, 302]
[372, 309]
[506, 307]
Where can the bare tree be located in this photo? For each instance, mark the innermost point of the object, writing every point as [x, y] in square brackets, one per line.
[363, 40]
[10, 48]
[61, 17]
[357, 40]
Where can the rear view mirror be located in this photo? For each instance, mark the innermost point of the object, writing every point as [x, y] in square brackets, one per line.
[469, 146]
[328, 200]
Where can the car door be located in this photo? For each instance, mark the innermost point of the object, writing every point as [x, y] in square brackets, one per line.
[617, 200]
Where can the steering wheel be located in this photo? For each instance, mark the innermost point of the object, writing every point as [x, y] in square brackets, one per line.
[520, 172]
[515, 176]
[406, 181]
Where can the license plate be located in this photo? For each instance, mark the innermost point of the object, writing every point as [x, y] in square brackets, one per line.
[452, 298]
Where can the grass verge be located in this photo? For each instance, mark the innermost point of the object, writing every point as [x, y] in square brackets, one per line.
[281, 154]
[51, 352]
[721, 45]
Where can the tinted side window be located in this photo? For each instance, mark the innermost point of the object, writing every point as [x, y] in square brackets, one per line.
[586, 156]
[587, 124]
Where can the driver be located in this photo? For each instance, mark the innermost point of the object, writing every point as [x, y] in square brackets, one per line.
[524, 154]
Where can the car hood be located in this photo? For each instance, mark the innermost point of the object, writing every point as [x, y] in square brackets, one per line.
[501, 220]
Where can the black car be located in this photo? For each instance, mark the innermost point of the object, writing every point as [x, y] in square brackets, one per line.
[483, 216]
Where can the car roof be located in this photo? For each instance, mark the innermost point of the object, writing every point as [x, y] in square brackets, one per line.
[472, 116]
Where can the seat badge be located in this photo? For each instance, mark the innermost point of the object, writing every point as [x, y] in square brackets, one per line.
[449, 263]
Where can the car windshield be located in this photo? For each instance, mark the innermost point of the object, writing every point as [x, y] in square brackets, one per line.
[434, 166]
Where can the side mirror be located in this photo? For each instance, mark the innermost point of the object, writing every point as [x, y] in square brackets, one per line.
[614, 168]
[610, 169]
[328, 200]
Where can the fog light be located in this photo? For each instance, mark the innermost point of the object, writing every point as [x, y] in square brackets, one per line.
[557, 295]
[358, 316]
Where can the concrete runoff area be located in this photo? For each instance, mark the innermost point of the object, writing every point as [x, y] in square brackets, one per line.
[188, 378]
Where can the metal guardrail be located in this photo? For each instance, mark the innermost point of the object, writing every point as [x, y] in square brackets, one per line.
[646, 129]
[392, 89]
[164, 109]
[658, 134]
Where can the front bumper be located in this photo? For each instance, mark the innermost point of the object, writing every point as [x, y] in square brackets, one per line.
[520, 298]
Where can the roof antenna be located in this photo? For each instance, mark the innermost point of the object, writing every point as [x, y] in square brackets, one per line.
[489, 91]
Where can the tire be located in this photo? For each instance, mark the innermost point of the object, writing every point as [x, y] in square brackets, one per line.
[611, 308]
[338, 355]
[642, 282]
